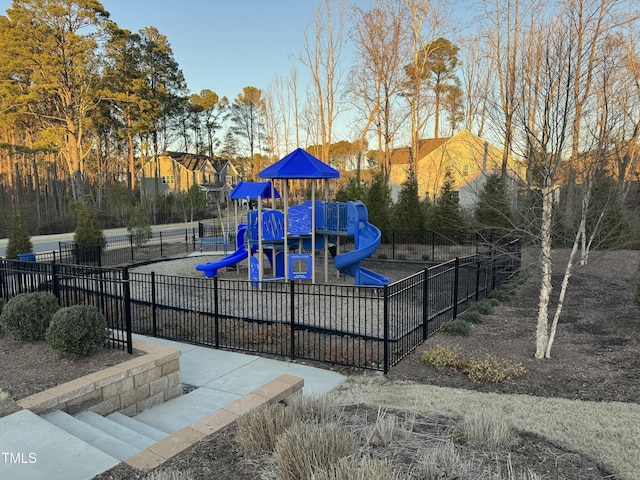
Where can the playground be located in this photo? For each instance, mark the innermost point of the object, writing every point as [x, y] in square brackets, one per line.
[282, 244]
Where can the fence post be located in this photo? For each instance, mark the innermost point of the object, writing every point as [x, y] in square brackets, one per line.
[154, 315]
[477, 296]
[216, 314]
[55, 281]
[425, 305]
[393, 244]
[131, 246]
[292, 323]
[433, 245]
[456, 278]
[385, 367]
[127, 308]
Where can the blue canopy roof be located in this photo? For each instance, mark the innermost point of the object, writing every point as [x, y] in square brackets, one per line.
[299, 165]
[253, 190]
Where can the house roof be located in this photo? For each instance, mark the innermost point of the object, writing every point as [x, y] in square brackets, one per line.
[189, 161]
[300, 164]
[194, 162]
[400, 156]
[253, 190]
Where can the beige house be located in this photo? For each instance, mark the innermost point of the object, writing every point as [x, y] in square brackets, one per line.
[178, 172]
[469, 158]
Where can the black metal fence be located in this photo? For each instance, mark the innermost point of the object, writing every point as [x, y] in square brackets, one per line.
[105, 289]
[125, 249]
[365, 327]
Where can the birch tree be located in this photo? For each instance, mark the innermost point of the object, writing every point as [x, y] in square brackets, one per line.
[546, 121]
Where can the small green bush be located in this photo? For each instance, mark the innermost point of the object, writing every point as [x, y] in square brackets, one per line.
[26, 317]
[77, 331]
[471, 316]
[483, 308]
[501, 294]
[458, 327]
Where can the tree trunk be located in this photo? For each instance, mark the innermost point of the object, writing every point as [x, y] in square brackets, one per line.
[542, 330]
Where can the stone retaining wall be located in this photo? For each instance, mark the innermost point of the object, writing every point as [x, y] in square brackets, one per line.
[129, 387]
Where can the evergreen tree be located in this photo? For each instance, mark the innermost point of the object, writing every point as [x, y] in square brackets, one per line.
[350, 191]
[88, 234]
[408, 213]
[493, 209]
[446, 217]
[19, 240]
[378, 202]
[138, 226]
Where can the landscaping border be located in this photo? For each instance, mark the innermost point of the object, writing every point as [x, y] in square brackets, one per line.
[129, 387]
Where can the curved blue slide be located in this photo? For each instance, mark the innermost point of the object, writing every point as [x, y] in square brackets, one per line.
[210, 269]
[367, 240]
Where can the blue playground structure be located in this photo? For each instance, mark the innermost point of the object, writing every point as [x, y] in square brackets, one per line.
[312, 226]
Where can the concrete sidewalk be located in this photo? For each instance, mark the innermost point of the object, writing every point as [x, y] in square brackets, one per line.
[32, 448]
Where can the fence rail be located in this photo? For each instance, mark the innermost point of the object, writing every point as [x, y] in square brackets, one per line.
[365, 327]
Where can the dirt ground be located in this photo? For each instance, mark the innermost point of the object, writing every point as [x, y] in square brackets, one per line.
[596, 356]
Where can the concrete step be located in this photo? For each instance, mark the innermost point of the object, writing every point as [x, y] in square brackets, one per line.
[92, 435]
[125, 434]
[138, 426]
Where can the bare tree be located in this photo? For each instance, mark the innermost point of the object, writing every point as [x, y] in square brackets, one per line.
[507, 22]
[321, 56]
[376, 77]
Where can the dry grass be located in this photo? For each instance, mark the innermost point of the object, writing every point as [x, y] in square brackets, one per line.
[606, 432]
[486, 430]
[307, 448]
[7, 405]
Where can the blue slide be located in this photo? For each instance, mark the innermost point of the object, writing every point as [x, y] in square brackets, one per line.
[367, 240]
[210, 269]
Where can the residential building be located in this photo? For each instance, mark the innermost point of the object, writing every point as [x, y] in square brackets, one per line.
[469, 158]
[177, 172]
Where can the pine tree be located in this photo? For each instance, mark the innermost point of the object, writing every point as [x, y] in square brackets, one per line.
[378, 202]
[19, 240]
[408, 213]
[494, 209]
[446, 217]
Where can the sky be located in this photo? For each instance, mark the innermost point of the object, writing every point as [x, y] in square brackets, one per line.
[226, 45]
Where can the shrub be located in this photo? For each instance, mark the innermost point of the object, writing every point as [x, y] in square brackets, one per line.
[77, 331]
[26, 317]
[471, 316]
[441, 356]
[458, 327]
[483, 307]
[19, 240]
[492, 369]
[501, 294]
[489, 369]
